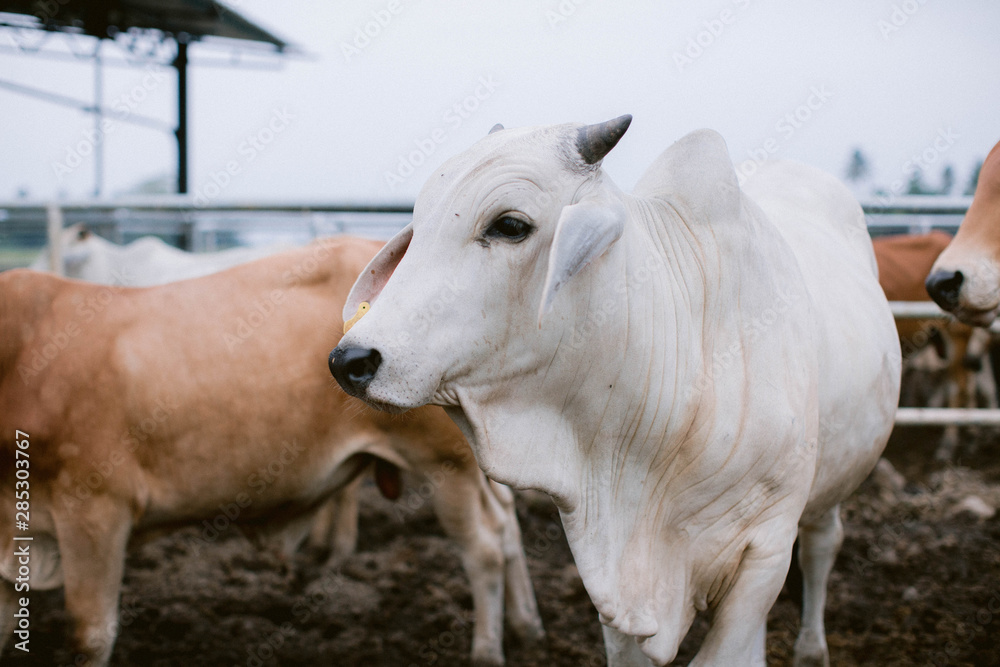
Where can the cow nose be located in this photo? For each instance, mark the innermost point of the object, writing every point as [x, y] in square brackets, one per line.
[943, 286]
[354, 368]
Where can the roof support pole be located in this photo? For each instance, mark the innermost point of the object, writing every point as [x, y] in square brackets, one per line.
[181, 63]
[53, 229]
[98, 121]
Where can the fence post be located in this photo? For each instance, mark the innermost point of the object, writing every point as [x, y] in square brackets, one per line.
[54, 225]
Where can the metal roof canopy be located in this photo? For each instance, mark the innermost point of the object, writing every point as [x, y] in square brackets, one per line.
[183, 21]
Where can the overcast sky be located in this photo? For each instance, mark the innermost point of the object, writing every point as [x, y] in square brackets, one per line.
[366, 118]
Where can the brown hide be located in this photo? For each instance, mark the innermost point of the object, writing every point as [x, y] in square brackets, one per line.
[980, 229]
[152, 407]
[166, 383]
[904, 263]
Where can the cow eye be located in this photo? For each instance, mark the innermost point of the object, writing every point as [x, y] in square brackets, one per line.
[509, 229]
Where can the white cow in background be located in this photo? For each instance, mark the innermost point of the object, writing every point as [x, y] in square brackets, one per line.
[144, 262]
[696, 373]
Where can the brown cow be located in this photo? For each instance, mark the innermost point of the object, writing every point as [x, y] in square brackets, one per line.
[148, 408]
[960, 350]
[966, 277]
[149, 261]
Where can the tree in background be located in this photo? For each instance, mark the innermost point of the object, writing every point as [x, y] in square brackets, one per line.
[916, 186]
[858, 168]
[970, 189]
[947, 180]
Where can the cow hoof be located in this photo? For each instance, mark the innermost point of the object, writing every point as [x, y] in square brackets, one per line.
[528, 634]
[811, 660]
[811, 651]
[947, 448]
[492, 657]
[317, 555]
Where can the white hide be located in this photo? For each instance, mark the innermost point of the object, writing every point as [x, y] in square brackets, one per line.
[143, 262]
[715, 373]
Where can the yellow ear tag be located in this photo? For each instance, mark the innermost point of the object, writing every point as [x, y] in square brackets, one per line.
[362, 309]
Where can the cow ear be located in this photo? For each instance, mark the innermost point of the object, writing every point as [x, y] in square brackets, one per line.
[584, 232]
[371, 281]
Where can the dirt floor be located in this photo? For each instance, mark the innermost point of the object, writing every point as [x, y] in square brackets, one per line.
[917, 583]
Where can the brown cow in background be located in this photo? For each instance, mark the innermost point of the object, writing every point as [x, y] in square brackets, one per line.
[966, 277]
[149, 261]
[149, 408]
[955, 353]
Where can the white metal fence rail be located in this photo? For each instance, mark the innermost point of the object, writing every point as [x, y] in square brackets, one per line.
[198, 229]
[939, 416]
[946, 416]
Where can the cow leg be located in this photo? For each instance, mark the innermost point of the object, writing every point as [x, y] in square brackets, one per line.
[284, 541]
[324, 523]
[521, 606]
[344, 538]
[945, 452]
[957, 398]
[462, 505]
[735, 635]
[92, 541]
[8, 606]
[818, 547]
[336, 525]
[985, 393]
[986, 388]
[622, 650]
[758, 654]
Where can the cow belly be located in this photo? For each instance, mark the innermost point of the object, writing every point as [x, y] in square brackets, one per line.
[293, 488]
[859, 364]
[856, 341]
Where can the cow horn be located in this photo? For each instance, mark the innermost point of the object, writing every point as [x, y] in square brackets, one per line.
[495, 128]
[593, 142]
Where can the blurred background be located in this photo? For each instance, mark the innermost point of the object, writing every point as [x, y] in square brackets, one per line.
[343, 109]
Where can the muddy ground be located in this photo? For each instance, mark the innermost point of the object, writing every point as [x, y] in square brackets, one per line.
[918, 582]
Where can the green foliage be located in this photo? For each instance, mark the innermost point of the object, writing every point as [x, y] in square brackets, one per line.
[858, 167]
[916, 186]
[947, 180]
[970, 189]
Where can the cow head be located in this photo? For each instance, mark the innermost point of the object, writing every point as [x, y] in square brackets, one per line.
[497, 233]
[966, 277]
[77, 247]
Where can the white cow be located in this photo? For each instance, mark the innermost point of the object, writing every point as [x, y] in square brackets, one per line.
[696, 373]
[141, 263]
